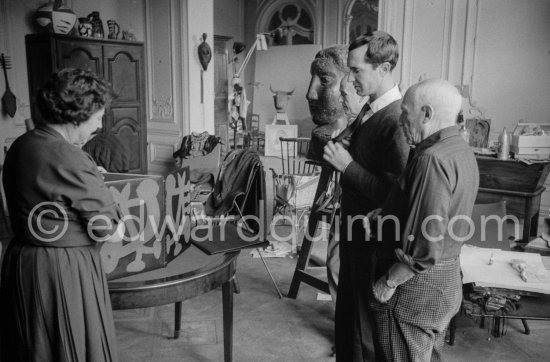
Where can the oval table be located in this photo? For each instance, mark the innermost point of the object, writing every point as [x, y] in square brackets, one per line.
[190, 274]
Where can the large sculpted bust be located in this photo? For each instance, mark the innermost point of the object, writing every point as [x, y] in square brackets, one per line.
[332, 100]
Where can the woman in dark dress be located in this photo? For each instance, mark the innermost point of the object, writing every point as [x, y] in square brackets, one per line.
[55, 304]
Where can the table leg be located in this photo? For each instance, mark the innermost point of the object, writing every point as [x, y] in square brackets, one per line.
[527, 220]
[227, 300]
[452, 331]
[534, 225]
[236, 284]
[177, 320]
[526, 326]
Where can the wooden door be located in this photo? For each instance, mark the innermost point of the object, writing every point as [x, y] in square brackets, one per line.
[79, 54]
[124, 68]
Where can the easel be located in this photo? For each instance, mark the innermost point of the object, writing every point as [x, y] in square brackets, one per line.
[316, 216]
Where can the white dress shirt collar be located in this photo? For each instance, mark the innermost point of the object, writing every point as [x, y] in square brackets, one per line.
[387, 98]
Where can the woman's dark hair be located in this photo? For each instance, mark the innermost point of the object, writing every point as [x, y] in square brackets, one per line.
[73, 96]
[382, 48]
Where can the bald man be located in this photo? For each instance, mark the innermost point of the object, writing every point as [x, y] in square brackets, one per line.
[417, 294]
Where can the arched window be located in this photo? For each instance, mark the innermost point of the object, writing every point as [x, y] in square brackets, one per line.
[290, 24]
[361, 17]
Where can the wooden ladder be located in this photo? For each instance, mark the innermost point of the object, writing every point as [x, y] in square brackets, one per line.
[316, 216]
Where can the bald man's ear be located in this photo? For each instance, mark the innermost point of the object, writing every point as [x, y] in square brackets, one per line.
[428, 113]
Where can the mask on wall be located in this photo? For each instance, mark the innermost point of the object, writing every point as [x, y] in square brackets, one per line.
[205, 53]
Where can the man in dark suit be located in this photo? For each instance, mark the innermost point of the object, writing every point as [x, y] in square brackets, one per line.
[376, 156]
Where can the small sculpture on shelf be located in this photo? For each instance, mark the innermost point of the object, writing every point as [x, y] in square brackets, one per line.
[85, 28]
[280, 100]
[56, 17]
[128, 35]
[114, 29]
[97, 24]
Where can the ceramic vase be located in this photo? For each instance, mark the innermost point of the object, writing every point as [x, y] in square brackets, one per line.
[114, 29]
[85, 27]
[97, 25]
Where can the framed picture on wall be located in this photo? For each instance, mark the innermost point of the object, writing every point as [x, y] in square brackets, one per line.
[272, 134]
[479, 131]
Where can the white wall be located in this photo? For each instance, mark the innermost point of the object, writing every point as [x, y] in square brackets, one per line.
[511, 78]
[284, 68]
[229, 19]
[200, 20]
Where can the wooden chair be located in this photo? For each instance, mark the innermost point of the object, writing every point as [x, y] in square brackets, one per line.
[253, 199]
[293, 153]
[294, 188]
[256, 137]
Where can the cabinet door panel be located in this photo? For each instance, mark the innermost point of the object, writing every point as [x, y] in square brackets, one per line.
[124, 69]
[126, 127]
[78, 54]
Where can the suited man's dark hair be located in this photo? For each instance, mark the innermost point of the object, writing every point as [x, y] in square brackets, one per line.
[382, 48]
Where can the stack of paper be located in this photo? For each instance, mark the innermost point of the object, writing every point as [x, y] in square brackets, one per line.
[276, 249]
[500, 274]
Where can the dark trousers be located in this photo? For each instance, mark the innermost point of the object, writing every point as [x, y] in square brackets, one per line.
[354, 320]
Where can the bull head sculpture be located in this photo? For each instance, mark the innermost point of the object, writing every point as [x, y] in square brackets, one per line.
[281, 99]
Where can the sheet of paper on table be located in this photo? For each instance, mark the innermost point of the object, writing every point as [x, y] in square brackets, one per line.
[276, 249]
[475, 266]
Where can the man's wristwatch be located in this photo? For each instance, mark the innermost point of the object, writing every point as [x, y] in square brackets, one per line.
[390, 283]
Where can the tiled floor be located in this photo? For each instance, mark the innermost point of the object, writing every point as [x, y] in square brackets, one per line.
[267, 328]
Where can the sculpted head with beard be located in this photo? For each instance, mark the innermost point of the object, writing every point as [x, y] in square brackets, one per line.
[332, 100]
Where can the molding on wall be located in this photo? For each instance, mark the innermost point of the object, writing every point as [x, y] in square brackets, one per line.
[322, 38]
[161, 154]
[162, 148]
[168, 111]
[384, 16]
[162, 108]
[346, 20]
[159, 115]
[185, 116]
[408, 36]
[340, 23]
[468, 63]
[447, 39]
[456, 37]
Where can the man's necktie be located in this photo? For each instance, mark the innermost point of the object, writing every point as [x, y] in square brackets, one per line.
[349, 130]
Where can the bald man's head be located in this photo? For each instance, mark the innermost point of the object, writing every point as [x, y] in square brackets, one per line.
[428, 107]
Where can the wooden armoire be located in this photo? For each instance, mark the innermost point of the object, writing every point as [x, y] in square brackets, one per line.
[120, 62]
